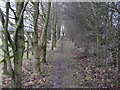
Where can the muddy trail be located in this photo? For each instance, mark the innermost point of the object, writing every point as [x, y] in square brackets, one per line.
[60, 67]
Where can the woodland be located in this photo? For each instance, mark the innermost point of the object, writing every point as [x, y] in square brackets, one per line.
[59, 44]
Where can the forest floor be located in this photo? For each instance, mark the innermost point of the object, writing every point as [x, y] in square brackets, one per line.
[67, 67]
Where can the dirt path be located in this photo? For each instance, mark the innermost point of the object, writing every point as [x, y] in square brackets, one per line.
[61, 73]
[58, 67]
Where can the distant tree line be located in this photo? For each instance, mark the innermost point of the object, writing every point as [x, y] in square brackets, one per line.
[95, 27]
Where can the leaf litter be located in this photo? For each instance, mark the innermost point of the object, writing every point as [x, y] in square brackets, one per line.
[90, 76]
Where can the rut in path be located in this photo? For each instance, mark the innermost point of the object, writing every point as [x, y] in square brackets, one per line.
[60, 70]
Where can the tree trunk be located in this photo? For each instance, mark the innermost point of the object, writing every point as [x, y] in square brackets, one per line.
[58, 31]
[119, 57]
[54, 28]
[114, 57]
[54, 38]
[27, 50]
[49, 33]
[97, 53]
[53, 35]
[7, 56]
[7, 63]
[36, 51]
[5, 66]
[44, 34]
[19, 44]
[119, 49]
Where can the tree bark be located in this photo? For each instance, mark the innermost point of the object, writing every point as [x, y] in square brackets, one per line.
[7, 62]
[19, 44]
[49, 33]
[54, 29]
[27, 50]
[119, 49]
[53, 34]
[7, 56]
[36, 51]
[44, 34]
[58, 31]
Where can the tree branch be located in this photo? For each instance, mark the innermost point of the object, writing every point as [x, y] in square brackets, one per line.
[13, 11]
[43, 10]
[29, 38]
[2, 17]
[3, 22]
[20, 19]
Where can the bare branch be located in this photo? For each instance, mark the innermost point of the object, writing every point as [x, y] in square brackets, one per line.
[2, 17]
[13, 11]
[43, 10]
[20, 18]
